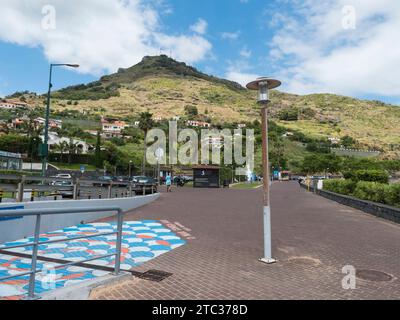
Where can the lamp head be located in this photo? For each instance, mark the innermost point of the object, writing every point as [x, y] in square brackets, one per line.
[263, 85]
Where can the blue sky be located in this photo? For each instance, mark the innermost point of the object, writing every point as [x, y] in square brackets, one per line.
[311, 46]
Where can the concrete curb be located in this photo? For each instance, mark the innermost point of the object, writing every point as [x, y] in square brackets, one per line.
[83, 290]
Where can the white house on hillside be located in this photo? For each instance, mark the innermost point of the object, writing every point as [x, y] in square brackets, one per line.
[113, 129]
[54, 139]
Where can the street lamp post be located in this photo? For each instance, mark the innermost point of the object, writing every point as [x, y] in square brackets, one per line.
[45, 149]
[263, 85]
[130, 168]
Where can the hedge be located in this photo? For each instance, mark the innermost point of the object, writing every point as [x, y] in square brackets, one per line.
[346, 187]
[380, 176]
[19, 173]
[371, 191]
[366, 190]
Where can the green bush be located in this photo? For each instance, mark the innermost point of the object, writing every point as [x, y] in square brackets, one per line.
[366, 190]
[345, 187]
[392, 194]
[380, 176]
[17, 173]
[371, 191]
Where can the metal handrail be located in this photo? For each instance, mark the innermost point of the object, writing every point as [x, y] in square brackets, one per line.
[81, 180]
[41, 212]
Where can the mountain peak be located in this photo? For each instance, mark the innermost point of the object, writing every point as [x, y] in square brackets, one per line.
[162, 64]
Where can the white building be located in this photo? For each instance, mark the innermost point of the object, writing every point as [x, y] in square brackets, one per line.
[53, 123]
[54, 139]
[334, 140]
[11, 104]
[198, 124]
[113, 129]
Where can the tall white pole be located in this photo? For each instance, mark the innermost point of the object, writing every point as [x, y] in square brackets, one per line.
[266, 195]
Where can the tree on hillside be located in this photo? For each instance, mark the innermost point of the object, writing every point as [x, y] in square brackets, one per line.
[72, 148]
[146, 123]
[348, 142]
[191, 111]
[62, 147]
[319, 163]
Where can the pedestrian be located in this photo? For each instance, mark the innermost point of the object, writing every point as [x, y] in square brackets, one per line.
[168, 182]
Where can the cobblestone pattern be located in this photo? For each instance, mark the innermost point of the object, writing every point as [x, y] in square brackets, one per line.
[313, 239]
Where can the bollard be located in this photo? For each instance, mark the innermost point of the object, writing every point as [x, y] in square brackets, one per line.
[152, 189]
[20, 196]
[144, 190]
[1, 195]
[33, 195]
[100, 193]
[76, 190]
[109, 190]
[130, 191]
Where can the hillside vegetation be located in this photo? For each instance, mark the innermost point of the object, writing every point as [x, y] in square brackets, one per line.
[166, 87]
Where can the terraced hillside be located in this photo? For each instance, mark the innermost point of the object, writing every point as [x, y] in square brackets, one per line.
[165, 87]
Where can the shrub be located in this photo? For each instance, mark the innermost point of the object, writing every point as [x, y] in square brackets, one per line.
[392, 194]
[371, 191]
[291, 114]
[380, 176]
[366, 190]
[345, 187]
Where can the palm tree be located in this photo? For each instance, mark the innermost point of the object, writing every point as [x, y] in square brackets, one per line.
[61, 147]
[72, 148]
[146, 123]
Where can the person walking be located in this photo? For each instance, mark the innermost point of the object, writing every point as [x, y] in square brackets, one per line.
[168, 182]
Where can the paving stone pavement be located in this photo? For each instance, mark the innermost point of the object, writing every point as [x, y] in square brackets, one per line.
[313, 239]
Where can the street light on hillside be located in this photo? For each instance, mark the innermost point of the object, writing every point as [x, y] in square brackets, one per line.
[263, 85]
[44, 150]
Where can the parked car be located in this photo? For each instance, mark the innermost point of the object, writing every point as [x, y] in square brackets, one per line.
[63, 176]
[143, 180]
[59, 176]
[103, 181]
[65, 188]
[63, 183]
[123, 181]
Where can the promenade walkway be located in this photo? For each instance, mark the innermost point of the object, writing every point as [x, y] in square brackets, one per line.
[313, 239]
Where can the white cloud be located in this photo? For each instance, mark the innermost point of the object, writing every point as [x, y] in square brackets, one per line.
[200, 26]
[100, 35]
[245, 53]
[189, 49]
[314, 53]
[230, 35]
[240, 77]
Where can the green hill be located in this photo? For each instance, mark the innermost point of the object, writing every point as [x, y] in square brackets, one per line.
[166, 87]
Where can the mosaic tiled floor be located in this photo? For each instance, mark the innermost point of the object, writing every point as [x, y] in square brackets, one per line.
[142, 241]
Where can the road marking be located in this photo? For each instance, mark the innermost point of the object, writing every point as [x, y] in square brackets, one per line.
[179, 228]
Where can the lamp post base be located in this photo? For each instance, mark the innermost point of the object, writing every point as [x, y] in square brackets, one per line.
[267, 261]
